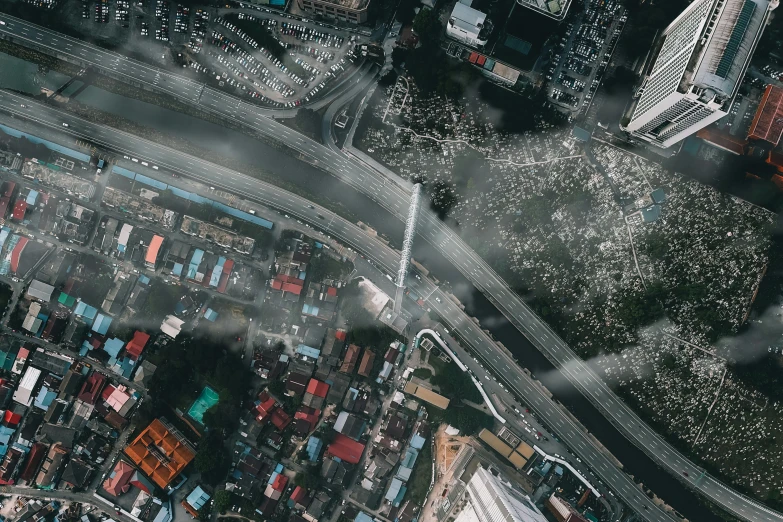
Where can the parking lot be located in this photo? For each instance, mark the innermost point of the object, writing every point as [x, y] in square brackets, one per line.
[278, 62]
[208, 45]
[581, 56]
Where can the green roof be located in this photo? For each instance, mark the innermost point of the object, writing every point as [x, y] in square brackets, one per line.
[66, 300]
[737, 34]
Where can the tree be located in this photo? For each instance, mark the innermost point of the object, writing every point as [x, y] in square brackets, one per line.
[427, 24]
[212, 459]
[406, 11]
[222, 416]
[223, 499]
[308, 121]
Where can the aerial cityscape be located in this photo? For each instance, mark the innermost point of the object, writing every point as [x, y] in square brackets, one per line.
[391, 260]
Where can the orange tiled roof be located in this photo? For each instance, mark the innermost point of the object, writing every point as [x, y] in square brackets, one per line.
[159, 453]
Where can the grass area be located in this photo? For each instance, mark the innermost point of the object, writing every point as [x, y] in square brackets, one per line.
[450, 380]
[422, 373]
[421, 477]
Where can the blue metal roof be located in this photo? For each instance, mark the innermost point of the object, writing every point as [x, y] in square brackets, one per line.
[45, 398]
[113, 346]
[197, 498]
[308, 351]
[101, 324]
[85, 310]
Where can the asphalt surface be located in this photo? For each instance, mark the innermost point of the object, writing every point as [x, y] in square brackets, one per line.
[391, 193]
[459, 324]
[130, 70]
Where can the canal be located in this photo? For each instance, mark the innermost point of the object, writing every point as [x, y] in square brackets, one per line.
[24, 76]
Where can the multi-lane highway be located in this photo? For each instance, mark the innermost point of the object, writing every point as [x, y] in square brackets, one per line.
[392, 194]
[482, 347]
[139, 73]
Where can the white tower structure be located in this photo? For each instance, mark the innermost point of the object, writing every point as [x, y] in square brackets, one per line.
[491, 499]
[696, 67]
[407, 246]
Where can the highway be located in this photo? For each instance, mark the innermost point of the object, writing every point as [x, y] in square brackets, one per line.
[481, 346]
[392, 194]
[133, 71]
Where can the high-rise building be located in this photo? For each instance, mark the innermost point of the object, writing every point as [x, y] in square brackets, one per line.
[491, 499]
[695, 69]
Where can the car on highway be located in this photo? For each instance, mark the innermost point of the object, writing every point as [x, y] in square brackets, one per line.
[65, 124]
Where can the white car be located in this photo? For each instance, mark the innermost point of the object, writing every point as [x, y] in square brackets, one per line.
[65, 125]
[155, 167]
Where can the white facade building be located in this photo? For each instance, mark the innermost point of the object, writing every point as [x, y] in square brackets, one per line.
[465, 25]
[696, 67]
[490, 499]
[24, 392]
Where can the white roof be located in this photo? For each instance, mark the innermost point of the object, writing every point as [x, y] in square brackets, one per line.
[40, 290]
[467, 18]
[171, 326]
[340, 422]
[124, 234]
[24, 392]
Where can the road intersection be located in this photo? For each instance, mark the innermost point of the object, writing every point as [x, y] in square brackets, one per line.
[391, 193]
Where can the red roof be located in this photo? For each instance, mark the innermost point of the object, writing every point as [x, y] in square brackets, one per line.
[107, 391]
[4, 206]
[265, 406]
[11, 418]
[331, 291]
[473, 57]
[137, 344]
[280, 482]
[768, 123]
[228, 266]
[92, 387]
[280, 419]
[20, 207]
[290, 279]
[481, 59]
[298, 494]
[722, 140]
[317, 388]
[8, 188]
[17, 253]
[776, 159]
[346, 449]
[119, 479]
[153, 250]
[310, 415]
[340, 335]
[293, 288]
[37, 454]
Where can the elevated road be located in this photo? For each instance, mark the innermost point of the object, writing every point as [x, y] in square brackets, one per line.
[393, 193]
[150, 77]
[481, 346]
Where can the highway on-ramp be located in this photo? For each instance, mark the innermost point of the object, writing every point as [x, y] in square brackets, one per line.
[460, 325]
[392, 193]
